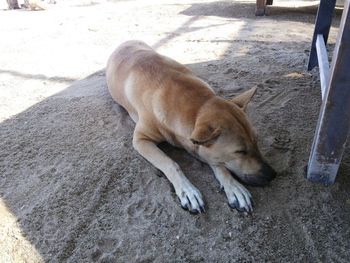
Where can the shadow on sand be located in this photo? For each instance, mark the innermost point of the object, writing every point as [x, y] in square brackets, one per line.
[81, 193]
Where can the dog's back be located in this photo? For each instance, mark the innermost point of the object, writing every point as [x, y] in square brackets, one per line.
[136, 73]
[120, 65]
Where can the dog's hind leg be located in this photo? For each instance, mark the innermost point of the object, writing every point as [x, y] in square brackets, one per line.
[190, 198]
[238, 196]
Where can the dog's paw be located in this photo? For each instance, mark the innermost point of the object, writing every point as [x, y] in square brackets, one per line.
[239, 197]
[190, 198]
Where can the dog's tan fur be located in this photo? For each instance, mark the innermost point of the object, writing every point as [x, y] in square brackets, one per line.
[169, 103]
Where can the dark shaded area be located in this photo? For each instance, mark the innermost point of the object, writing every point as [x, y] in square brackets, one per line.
[82, 182]
[242, 9]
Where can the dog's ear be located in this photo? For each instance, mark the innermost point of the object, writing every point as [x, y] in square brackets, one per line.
[204, 134]
[244, 98]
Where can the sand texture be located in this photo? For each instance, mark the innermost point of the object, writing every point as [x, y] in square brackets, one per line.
[72, 187]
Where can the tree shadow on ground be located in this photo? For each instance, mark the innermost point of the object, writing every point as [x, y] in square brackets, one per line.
[243, 9]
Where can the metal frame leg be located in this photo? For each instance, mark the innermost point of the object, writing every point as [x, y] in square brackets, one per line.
[322, 26]
[334, 120]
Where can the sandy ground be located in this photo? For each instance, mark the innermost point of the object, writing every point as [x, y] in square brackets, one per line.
[73, 189]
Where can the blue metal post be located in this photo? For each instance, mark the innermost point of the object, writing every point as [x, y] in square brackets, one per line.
[322, 26]
[334, 120]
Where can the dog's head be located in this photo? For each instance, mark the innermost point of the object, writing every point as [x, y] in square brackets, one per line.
[225, 137]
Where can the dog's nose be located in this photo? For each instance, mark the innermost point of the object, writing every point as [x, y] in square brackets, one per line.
[263, 177]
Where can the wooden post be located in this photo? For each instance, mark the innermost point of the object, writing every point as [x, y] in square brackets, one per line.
[260, 7]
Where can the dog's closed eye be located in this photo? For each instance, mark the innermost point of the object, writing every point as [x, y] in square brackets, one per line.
[241, 152]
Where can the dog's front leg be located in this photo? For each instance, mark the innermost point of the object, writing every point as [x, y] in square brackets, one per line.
[190, 198]
[238, 196]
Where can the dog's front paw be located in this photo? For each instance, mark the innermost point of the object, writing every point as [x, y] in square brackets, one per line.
[238, 197]
[190, 198]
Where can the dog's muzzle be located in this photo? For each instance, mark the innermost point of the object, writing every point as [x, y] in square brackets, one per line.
[265, 175]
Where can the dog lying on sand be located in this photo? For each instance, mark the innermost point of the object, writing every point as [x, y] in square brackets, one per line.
[169, 103]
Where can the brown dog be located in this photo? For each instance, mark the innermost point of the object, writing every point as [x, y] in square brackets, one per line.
[168, 103]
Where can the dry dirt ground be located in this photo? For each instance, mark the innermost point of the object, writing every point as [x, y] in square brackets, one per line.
[73, 189]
